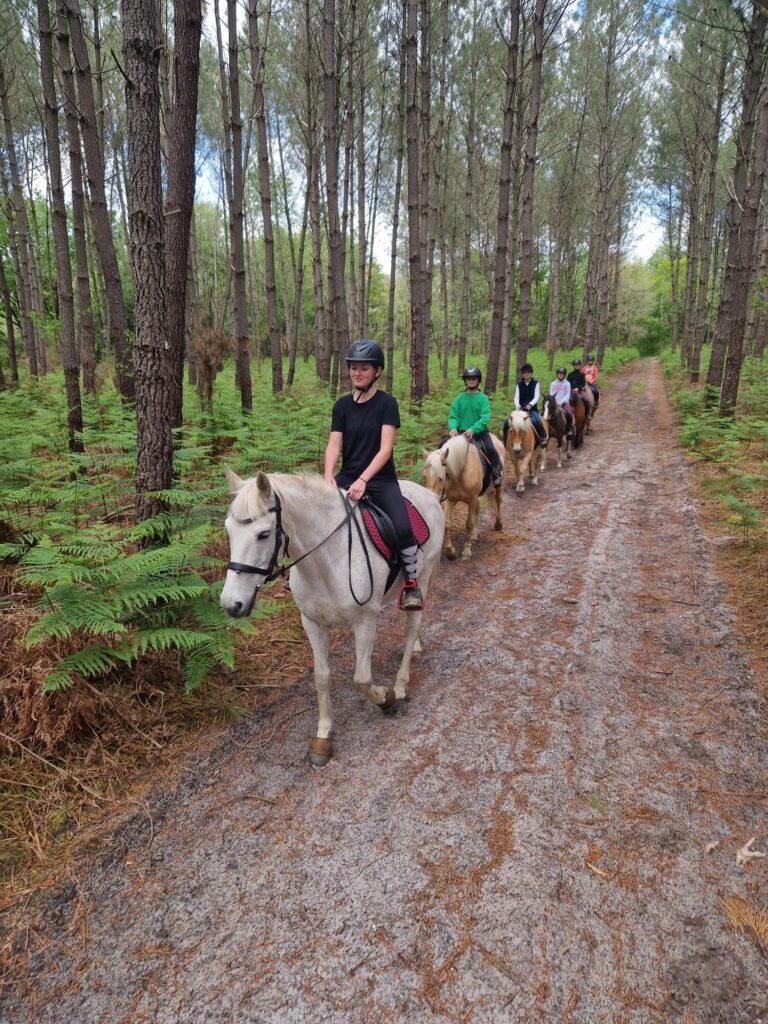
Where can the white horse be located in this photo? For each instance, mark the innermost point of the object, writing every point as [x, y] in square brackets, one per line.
[331, 584]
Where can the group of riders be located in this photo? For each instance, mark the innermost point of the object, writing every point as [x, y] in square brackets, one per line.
[363, 426]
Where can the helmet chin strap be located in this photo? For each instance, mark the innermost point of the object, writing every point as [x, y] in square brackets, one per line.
[367, 388]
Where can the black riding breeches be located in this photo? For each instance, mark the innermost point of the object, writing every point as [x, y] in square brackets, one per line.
[485, 441]
[387, 495]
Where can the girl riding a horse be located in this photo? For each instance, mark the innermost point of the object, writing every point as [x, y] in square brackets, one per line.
[470, 414]
[560, 388]
[363, 426]
[590, 375]
[527, 397]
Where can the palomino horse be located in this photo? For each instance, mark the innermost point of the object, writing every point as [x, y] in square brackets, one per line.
[455, 474]
[557, 425]
[337, 578]
[525, 452]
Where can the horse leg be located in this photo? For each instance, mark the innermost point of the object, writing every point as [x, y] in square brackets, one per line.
[535, 463]
[523, 465]
[469, 527]
[412, 627]
[448, 546]
[321, 747]
[494, 503]
[560, 453]
[365, 635]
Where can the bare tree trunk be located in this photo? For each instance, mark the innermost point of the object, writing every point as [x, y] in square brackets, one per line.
[526, 219]
[396, 204]
[709, 210]
[742, 276]
[10, 335]
[337, 296]
[469, 192]
[727, 315]
[70, 360]
[155, 362]
[502, 221]
[258, 50]
[419, 378]
[102, 228]
[239, 313]
[182, 125]
[19, 230]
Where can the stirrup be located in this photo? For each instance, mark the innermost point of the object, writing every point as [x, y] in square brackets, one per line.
[410, 599]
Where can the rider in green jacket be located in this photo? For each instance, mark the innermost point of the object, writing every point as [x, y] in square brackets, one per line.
[470, 414]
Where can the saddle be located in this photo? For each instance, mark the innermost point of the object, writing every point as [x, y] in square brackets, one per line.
[383, 535]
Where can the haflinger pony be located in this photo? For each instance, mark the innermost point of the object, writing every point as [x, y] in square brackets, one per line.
[558, 428]
[525, 451]
[336, 576]
[455, 473]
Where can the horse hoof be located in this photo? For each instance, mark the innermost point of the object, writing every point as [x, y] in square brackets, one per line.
[451, 554]
[497, 526]
[390, 701]
[396, 709]
[320, 751]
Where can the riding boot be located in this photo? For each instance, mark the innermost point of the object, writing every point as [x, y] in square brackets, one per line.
[410, 599]
[496, 469]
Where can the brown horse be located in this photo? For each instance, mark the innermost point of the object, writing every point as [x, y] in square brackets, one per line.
[588, 397]
[525, 451]
[580, 416]
[455, 474]
[559, 428]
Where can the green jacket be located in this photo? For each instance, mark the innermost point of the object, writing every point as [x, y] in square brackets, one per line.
[471, 410]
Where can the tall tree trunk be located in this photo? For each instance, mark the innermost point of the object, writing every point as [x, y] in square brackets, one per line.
[337, 297]
[19, 229]
[259, 101]
[502, 220]
[69, 356]
[10, 334]
[396, 203]
[753, 73]
[419, 376]
[102, 228]
[526, 218]
[85, 336]
[742, 277]
[180, 196]
[154, 361]
[239, 313]
[469, 194]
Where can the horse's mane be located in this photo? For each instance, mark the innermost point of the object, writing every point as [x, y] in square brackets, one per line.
[458, 448]
[520, 419]
[249, 502]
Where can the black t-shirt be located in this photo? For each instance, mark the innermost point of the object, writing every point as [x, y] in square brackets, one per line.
[360, 425]
[577, 379]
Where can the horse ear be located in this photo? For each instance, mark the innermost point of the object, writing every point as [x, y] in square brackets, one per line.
[425, 454]
[234, 483]
[264, 486]
[444, 455]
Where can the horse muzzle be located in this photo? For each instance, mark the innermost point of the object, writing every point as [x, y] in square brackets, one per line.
[237, 608]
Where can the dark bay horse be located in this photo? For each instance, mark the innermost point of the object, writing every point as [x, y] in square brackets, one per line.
[559, 428]
[580, 414]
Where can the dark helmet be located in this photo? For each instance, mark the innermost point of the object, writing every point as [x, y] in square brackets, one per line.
[526, 366]
[473, 371]
[590, 358]
[561, 369]
[575, 362]
[365, 351]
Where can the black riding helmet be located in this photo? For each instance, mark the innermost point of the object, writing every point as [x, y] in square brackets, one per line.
[590, 358]
[561, 369]
[575, 362]
[472, 371]
[365, 351]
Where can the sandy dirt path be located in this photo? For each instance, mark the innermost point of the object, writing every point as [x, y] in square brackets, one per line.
[527, 841]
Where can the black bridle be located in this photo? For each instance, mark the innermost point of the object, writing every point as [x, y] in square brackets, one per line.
[282, 541]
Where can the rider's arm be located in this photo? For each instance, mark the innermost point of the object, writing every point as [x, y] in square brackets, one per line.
[536, 395]
[383, 455]
[484, 416]
[455, 413]
[517, 396]
[332, 452]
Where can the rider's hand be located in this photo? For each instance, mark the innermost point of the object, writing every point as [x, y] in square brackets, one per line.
[331, 480]
[453, 432]
[357, 489]
[468, 434]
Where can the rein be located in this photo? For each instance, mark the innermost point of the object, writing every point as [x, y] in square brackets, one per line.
[282, 541]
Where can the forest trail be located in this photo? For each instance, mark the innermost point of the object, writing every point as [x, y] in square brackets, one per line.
[526, 842]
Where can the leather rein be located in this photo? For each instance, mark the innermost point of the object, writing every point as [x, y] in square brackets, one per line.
[282, 543]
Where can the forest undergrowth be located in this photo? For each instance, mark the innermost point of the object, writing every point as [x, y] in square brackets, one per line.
[730, 457]
[114, 654]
